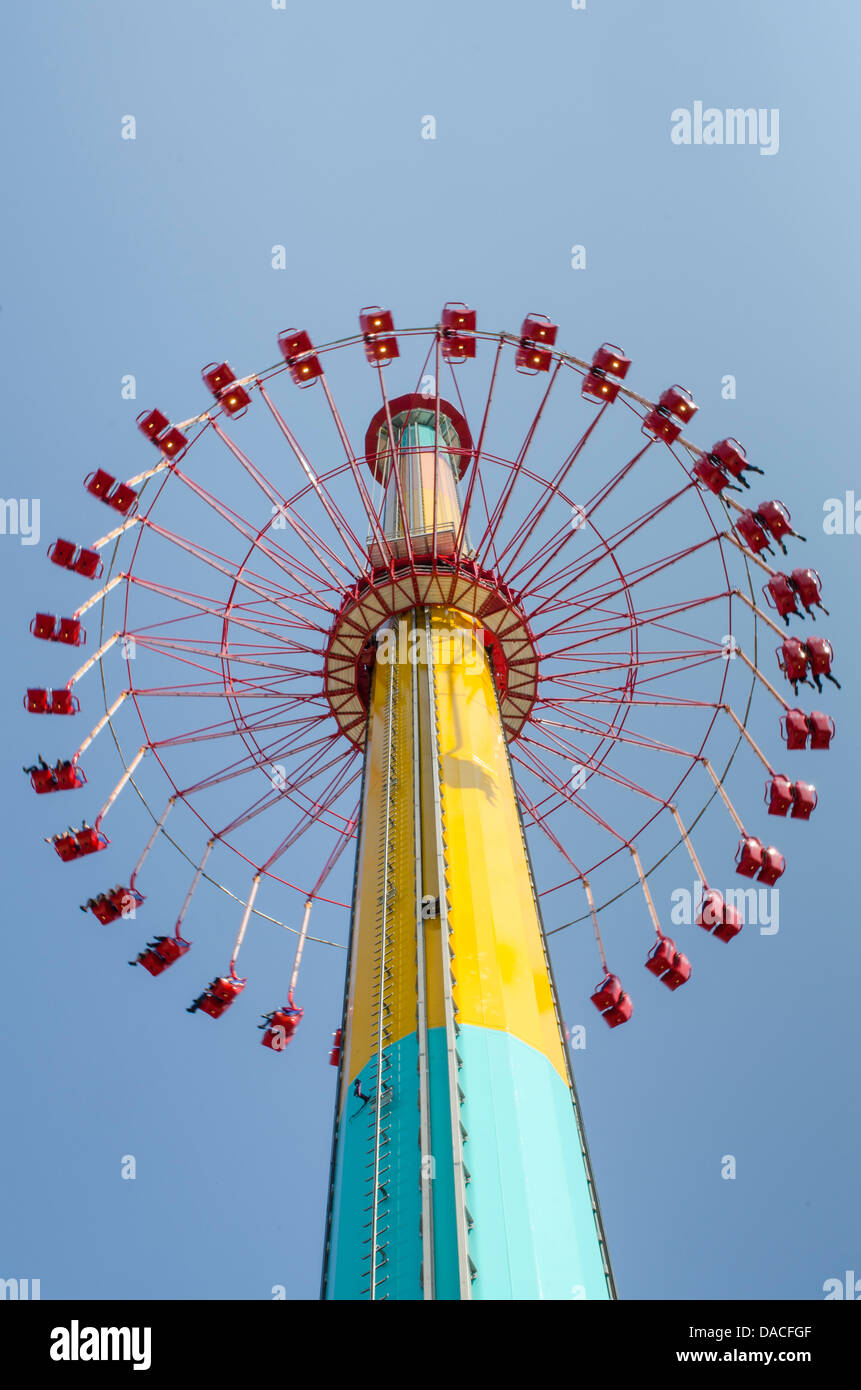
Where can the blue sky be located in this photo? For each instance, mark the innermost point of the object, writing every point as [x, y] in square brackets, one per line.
[257, 127]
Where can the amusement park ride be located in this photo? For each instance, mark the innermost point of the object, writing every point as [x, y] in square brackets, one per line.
[440, 650]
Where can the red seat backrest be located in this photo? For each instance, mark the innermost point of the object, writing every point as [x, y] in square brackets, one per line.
[122, 497]
[821, 729]
[43, 626]
[87, 563]
[795, 728]
[62, 552]
[62, 702]
[99, 483]
[69, 631]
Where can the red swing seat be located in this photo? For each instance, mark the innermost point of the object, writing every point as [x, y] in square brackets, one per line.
[778, 795]
[280, 1026]
[773, 865]
[162, 953]
[794, 727]
[749, 856]
[804, 799]
[537, 336]
[821, 729]
[220, 994]
[780, 593]
[293, 343]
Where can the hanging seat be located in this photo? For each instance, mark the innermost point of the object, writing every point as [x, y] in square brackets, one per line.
[669, 965]
[218, 996]
[773, 865]
[43, 626]
[161, 953]
[795, 729]
[279, 1027]
[775, 516]
[732, 456]
[613, 1003]
[64, 777]
[780, 594]
[792, 660]
[749, 856]
[66, 846]
[111, 906]
[90, 840]
[716, 916]
[105, 486]
[808, 586]
[74, 844]
[820, 654]
[711, 475]
[679, 972]
[660, 957]
[821, 728]
[751, 532]
[804, 799]
[537, 336]
[607, 993]
[620, 1013]
[71, 557]
[778, 795]
[607, 362]
[293, 342]
[51, 702]
[457, 341]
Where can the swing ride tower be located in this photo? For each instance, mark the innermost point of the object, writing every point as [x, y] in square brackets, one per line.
[460, 1168]
[418, 650]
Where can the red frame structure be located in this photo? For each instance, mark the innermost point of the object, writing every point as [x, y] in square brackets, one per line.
[609, 628]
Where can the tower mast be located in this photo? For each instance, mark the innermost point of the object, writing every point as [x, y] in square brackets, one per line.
[459, 1164]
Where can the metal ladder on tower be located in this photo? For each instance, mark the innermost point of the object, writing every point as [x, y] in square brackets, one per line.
[378, 1153]
[459, 1135]
[426, 1173]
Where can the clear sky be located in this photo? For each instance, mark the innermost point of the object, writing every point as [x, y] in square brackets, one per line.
[302, 126]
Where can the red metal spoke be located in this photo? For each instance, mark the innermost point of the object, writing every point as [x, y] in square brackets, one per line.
[356, 474]
[228, 729]
[303, 776]
[478, 455]
[340, 845]
[541, 822]
[240, 682]
[305, 533]
[177, 692]
[608, 729]
[334, 513]
[328, 580]
[571, 571]
[271, 799]
[532, 763]
[488, 538]
[540, 507]
[318, 809]
[203, 604]
[178, 649]
[604, 770]
[646, 618]
[224, 567]
[604, 594]
[253, 763]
